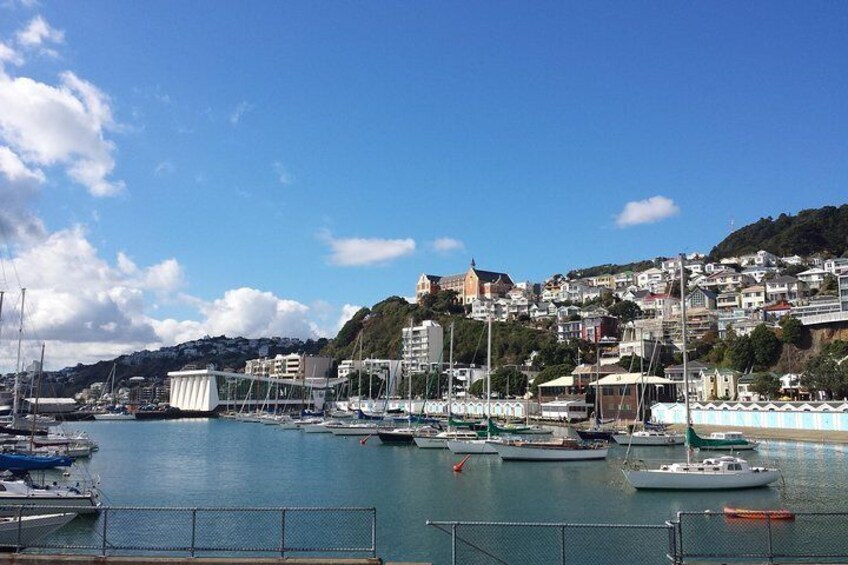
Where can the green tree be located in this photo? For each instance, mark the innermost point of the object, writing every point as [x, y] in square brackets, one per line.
[765, 347]
[827, 372]
[740, 352]
[626, 311]
[767, 385]
[793, 330]
[829, 285]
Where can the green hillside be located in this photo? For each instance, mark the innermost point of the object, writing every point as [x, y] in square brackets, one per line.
[381, 327]
[822, 230]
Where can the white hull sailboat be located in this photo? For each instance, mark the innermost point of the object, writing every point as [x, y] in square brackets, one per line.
[26, 530]
[722, 473]
[472, 446]
[22, 492]
[353, 429]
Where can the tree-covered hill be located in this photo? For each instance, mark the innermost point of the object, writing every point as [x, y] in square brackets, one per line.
[821, 230]
[381, 326]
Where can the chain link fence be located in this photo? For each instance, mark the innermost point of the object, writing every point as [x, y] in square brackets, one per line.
[805, 537]
[124, 530]
[502, 543]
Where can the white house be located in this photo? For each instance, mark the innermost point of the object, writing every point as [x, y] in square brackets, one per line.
[813, 277]
[753, 297]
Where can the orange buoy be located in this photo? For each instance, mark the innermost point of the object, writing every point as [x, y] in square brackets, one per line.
[364, 440]
[458, 467]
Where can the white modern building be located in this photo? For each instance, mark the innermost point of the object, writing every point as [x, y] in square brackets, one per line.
[423, 345]
[291, 366]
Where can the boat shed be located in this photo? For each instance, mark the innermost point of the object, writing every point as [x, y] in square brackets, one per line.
[50, 405]
[622, 395]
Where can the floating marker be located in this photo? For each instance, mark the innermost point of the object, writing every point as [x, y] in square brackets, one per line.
[364, 440]
[458, 467]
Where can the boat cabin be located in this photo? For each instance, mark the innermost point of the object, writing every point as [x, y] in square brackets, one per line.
[728, 435]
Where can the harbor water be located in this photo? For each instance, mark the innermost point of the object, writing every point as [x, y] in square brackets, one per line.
[214, 463]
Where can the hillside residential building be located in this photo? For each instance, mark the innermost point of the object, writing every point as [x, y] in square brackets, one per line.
[843, 292]
[792, 261]
[719, 383]
[569, 329]
[701, 298]
[836, 266]
[649, 278]
[472, 285]
[813, 277]
[759, 259]
[600, 328]
[729, 300]
[422, 345]
[753, 297]
[729, 318]
[784, 288]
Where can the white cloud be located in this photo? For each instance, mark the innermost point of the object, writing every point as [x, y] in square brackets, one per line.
[240, 110]
[9, 55]
[283, 175]
[38, 32]
[250, 312]
[348, 311]
[447, 244]
[647, 211]
[357, 252]
[66, 125]
[19, 185]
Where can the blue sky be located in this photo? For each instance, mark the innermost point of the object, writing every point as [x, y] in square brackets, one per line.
[262, 168]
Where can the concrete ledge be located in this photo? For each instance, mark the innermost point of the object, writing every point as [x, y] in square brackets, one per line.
[44, 559]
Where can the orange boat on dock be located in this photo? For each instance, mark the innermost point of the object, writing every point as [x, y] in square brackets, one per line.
[749, 514]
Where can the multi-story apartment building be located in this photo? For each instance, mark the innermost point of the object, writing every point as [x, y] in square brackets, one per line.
[422, 345]
[843, 292]
[469, 286]
[728, 300]
[291, 366]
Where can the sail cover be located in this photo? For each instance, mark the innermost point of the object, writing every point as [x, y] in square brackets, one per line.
[693, 440]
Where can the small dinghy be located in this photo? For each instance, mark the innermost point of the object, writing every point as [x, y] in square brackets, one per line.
[749, 514]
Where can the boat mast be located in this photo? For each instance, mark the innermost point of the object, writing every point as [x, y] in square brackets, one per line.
[450, 376]
[685, 355]
[35, 406]
[409, 372]
[489, 383]
[15, 400]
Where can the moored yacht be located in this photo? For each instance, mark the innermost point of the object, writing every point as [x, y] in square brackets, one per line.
[721, 473]
[649, 437]
[557, 449]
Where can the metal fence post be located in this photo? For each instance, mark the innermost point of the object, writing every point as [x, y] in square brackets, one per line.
[770, 547]
[105, 524]
[453, 544]
[283, 532]
[562, 556]
[682, 553]
[193, 529]
[20, 525]
[373, 532]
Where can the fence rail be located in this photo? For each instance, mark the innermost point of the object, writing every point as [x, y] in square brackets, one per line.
[117, 530]
[701, 536]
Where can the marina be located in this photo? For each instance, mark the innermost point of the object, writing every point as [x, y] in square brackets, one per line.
[209, 461]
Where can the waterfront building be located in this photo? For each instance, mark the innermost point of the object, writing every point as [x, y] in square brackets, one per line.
[622, 394]
[423, 345]
[291, 366]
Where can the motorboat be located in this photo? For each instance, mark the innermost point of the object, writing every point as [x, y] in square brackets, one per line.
[557, 449]
[710, 474]
[649, 437]
[22, 531]
[113, 416]
[353, 429]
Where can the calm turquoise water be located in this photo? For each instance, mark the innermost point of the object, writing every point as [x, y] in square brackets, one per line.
[226, 463]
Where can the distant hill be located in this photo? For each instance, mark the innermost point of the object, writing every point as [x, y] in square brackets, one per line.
[381, 325]
[822, 230]
[227, 353]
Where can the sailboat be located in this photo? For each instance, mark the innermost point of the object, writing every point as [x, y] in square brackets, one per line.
[480, 446]
[115, 415]
[720, 473]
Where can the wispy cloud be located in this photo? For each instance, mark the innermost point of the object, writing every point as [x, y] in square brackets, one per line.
[648, 211]
[37, 34]
[163, 168]
[447, 245]
[240, 110]
[359, 252]
[283, 175]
